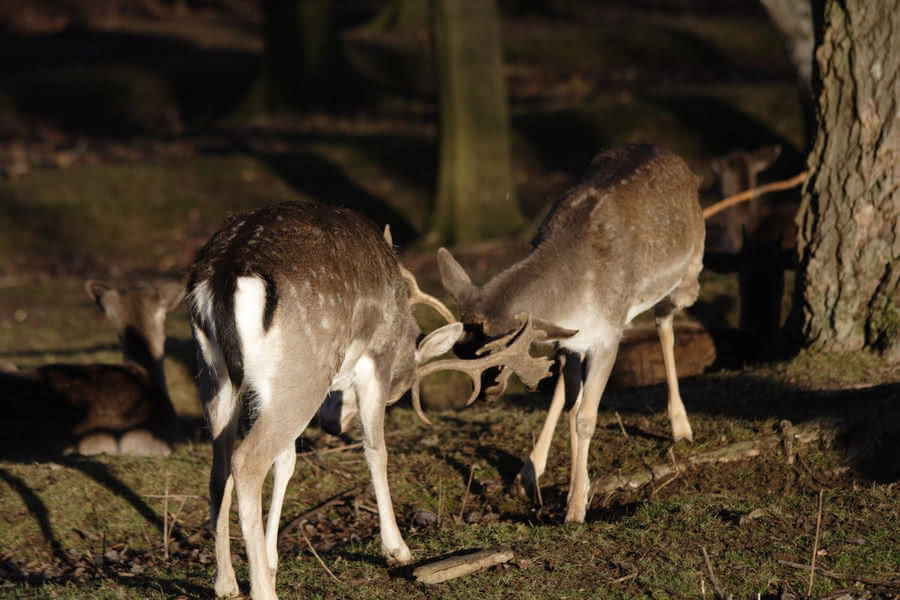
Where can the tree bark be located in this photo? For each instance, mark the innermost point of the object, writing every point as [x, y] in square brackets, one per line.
[476, 194]
[849, 234]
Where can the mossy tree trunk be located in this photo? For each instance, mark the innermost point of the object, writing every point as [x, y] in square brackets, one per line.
[303, 62]
[476, 194]
[849, 238]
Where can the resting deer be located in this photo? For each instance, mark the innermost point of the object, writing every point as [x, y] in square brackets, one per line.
[289, 304]
[101, 408]
[629, 237]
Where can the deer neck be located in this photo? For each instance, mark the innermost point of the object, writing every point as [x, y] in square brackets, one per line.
[535, 285]
[137, 352]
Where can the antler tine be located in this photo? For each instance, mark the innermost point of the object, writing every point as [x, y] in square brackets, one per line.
[417, 296]
[513, 357]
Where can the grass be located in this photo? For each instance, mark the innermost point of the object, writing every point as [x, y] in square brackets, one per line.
[638, 545]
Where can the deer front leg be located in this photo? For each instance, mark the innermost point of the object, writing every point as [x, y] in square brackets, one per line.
[282, 471]
[681, 427]
[530, 473]
[371, 394]
[599, 365]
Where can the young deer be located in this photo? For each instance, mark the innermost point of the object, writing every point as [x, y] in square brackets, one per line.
[97, 408]
[628, 238]
[291, 304]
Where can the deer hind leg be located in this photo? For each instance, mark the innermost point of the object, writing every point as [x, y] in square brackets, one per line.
[683, 296]
[282, 471]
[221, 408]
[281, 419]
[371, 395]
[599, 365]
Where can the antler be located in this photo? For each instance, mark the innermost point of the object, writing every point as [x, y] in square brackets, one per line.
[417, 296]
[509, 352]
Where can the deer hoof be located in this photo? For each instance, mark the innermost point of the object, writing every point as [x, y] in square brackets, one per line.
[226, 587]
[527, 481]
[397, 556]
[683, 432]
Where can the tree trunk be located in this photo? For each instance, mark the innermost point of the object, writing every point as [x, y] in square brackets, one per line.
[303, 63]
[476, 194]
[794, 21]
[849, 238]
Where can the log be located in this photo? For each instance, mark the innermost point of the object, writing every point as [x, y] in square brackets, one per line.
[461, 565]
[790, 437]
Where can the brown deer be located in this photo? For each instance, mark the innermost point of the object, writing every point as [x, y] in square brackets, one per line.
[760, 236]
[629, 237]
[100, 408]
[290, 304]
[738, 171]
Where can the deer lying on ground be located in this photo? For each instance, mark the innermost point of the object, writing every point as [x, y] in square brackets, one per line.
[100, 408]
[629, 237]
[291, 304]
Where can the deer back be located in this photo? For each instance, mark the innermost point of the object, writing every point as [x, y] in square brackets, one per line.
[329, 289]
[610, 248]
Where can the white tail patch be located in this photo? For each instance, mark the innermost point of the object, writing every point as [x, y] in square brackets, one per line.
[260, 349]
[200, 300]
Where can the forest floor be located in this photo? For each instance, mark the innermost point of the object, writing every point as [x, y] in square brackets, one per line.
[123, 149]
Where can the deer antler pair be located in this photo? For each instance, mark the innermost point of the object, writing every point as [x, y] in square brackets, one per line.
[510, 352]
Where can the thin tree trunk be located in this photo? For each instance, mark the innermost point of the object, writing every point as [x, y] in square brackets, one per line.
[849, 238]
[476, 195]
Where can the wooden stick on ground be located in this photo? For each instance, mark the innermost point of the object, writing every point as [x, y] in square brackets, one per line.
[712, 575]
[889, 583]
[318, 558]
[461, 565]
[812, 569]
[739, 451]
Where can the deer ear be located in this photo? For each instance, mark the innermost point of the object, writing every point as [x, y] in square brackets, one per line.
[764, 157]
[554, 332]
[104, 295]
[453, 276]
[170, 294]
[387, 236]
[438, 341]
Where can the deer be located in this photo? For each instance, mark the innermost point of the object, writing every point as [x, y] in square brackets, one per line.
[627, 238]
[293, 305]
[735, 172]
[760, 238]
[99, 408]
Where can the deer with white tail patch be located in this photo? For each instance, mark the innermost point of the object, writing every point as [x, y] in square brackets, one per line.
[289, 304]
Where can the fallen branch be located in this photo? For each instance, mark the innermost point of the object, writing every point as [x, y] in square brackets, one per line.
[812, 571]
[735, 452]
[712, 575]
[461, 565]
[888, 583]
[753, 193]
[318, 558]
